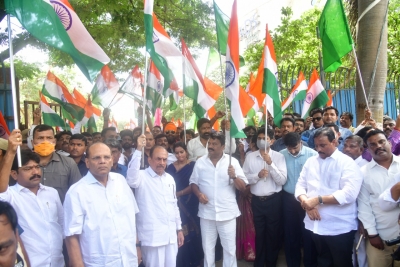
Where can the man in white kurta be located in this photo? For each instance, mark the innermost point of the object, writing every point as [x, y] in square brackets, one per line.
[99, 216]
[158, 223]
[214, 181]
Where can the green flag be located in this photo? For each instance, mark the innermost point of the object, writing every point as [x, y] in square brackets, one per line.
[222, 27]
[334, 34]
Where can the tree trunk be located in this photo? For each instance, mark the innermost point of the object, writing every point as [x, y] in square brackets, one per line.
[369, 32]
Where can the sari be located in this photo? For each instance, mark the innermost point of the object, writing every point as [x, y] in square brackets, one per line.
[245, 232]
[191, 253]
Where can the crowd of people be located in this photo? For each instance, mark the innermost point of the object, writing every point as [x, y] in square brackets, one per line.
[327, 194]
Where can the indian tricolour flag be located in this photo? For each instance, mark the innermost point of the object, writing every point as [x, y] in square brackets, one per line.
[298, 92]
[232, 76]
[50, 117]
[56, 24]
[316, 95]
[194, 86]
[270, 83]
[105, 90]
[165, 55]
[155, 84]
[56, 90]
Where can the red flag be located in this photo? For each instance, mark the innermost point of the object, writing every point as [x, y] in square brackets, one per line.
[4, 123]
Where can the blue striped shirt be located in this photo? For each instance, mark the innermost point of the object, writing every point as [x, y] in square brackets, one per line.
[294, 165]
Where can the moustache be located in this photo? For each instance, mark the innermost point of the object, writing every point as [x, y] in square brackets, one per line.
[161, 166]
[379, 149]
[35, 176]
[321, 153]
[211, 149]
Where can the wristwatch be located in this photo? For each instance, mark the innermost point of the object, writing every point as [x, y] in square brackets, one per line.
[320, 200]
[138, 245]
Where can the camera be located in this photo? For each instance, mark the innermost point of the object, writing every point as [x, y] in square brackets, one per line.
[391, 242]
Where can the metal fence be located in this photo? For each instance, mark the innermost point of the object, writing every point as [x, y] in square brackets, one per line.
[342, 86]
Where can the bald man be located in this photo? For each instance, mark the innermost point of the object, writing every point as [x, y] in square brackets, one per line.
[99, 213]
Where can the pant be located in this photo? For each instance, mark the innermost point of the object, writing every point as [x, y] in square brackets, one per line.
[267, 214]
[162, 256]
[381, 258]
[295, 233]
[335, 250]
[360, 255]
[227, 233]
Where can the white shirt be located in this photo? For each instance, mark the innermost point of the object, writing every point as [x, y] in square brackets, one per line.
[376, 180]
[122, 159]
[277, 173]
[171, 159]
[360, 161]
[104, 219]
[42, 219]
[159, 218]
[196, 148]
[337, 175]
[213, 181]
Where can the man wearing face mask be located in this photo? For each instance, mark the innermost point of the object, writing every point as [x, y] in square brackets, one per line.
[59, 172]
[266, 172]
[296, 155]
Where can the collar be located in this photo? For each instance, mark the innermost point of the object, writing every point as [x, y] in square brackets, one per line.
[20, 187]
[301, 153]
[395, 159]
[89, 178]
[153, 174]
[55, 157]
[270, 152]
[357, 160]
[335, 155]
[223, 157]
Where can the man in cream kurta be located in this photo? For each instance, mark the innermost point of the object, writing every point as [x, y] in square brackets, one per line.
[158, 223]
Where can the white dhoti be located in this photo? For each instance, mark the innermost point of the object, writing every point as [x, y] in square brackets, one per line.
[162, 256]
[227, 233]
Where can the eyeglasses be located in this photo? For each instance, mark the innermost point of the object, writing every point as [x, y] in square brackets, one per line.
[316, 119]
[260, 138]
[30, 168]
[99, 158]
[170, 132]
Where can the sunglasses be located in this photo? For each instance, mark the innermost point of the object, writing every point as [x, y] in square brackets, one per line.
[317, 119]
[170, 132]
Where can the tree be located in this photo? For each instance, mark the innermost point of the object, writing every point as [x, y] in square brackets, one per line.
[369, 34]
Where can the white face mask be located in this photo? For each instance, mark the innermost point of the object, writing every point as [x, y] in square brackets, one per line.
[262, 144]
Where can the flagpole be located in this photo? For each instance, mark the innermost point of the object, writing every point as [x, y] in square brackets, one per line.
[321, 66]
[13, 88]
[144, 105]
[184, 103]
[359, 75]
[266, 131]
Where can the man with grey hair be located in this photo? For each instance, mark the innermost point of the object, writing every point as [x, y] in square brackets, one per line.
[116, 150]
[354, 148]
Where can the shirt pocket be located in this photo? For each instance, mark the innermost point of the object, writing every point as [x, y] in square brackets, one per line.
[332, 183]
[52, 212]
[55, 179]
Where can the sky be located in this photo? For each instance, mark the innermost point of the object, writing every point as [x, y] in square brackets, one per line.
[268, 11]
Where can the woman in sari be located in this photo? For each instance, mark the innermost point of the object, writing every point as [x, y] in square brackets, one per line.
[191, 253]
